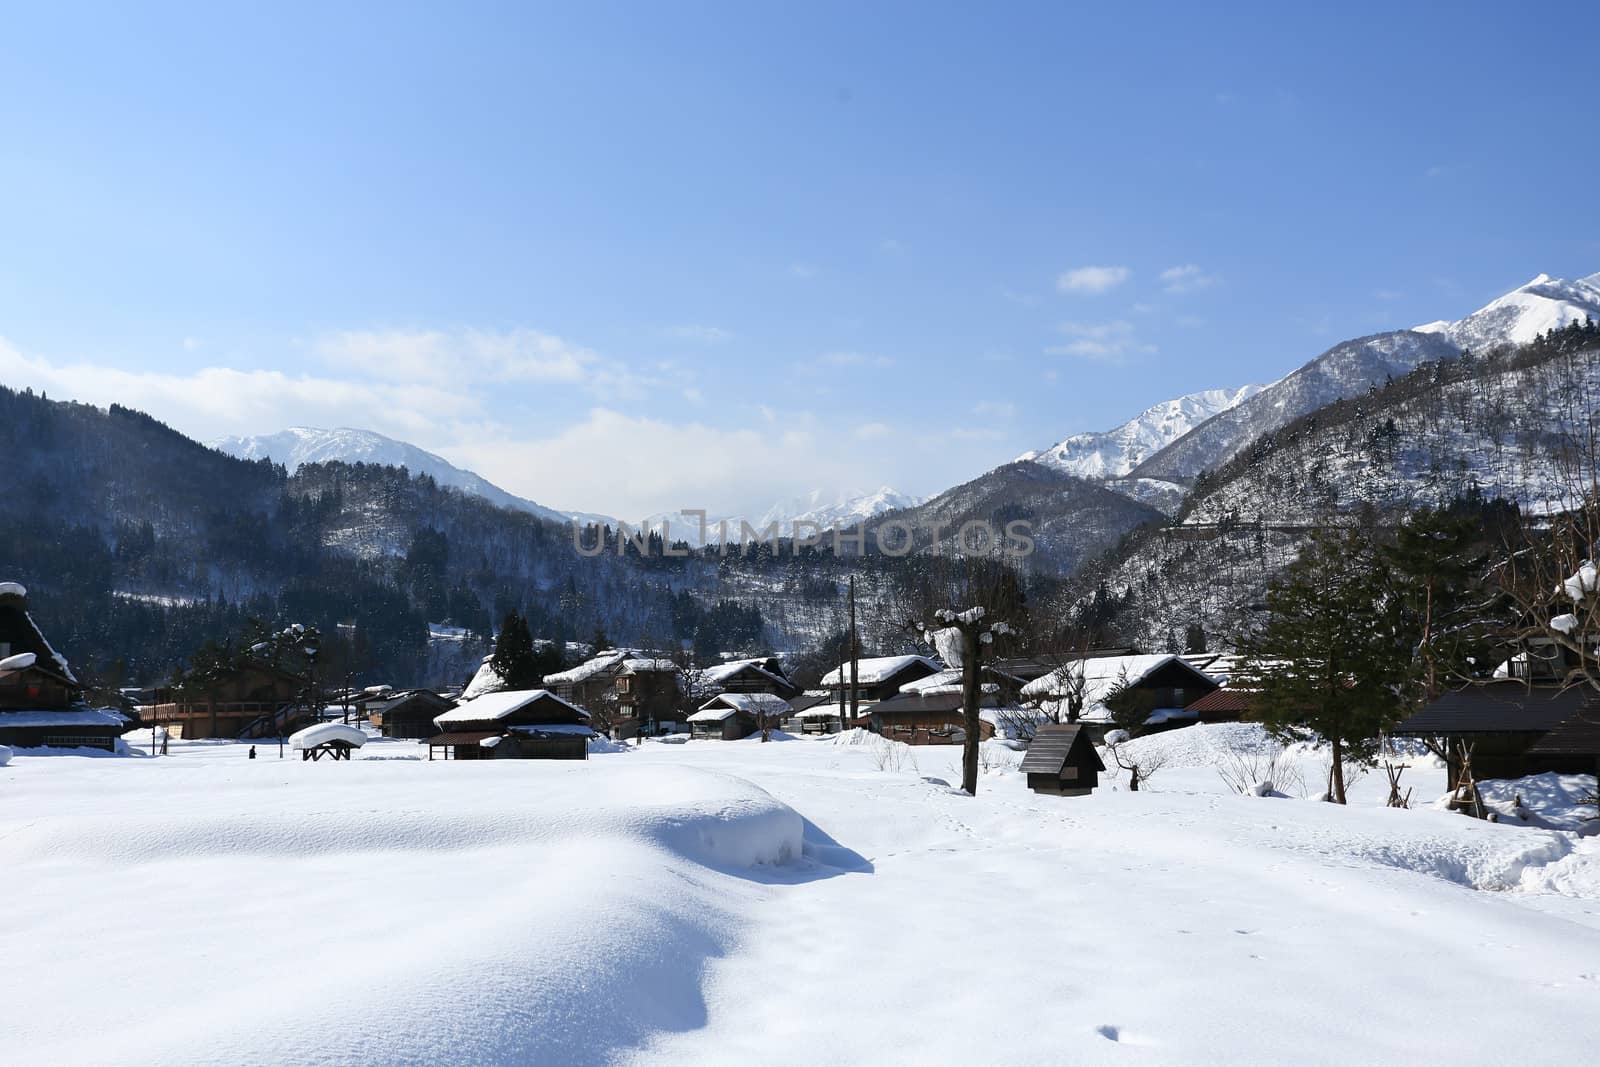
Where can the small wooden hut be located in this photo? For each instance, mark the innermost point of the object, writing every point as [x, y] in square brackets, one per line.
[731, 716]
[409, 714]
[513, 724]
[1062, 761]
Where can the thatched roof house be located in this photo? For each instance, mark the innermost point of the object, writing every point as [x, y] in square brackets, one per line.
[41, 702]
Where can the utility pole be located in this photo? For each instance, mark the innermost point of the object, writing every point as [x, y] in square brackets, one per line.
[855, 655]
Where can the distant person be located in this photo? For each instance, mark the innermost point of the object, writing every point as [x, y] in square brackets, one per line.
[252, 752]
[163, 742]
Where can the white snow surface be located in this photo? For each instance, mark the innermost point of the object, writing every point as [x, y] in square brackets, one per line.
[20, 662]
[13, 589]
[624, 909]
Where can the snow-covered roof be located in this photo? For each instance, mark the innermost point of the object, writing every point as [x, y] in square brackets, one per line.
[818, 711]
[588, 669]
[723, 671]
[875, 670]
[946, 681]
[64, 717]
[749, 703]
[13, 589]
[322, 733]
[487, 680]
[20, 662]
[643, 665]
[499, 705]
[714, 714]
[1100, 675]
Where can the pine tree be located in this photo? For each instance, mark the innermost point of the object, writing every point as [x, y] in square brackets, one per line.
[513, 659]
[1437, 566]
[1330, 658]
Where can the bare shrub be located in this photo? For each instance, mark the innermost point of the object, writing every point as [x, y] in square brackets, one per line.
[1260, 767]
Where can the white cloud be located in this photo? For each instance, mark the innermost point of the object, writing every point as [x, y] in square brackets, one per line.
[531, 441]
[802, 271]
[698, 332]
[215, 402]
[999, 409]
[451, 356]
[1092, 279]
[1187, 278]
[1107, 342]
[191, 344]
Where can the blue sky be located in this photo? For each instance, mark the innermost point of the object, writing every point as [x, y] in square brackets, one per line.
[635, 257]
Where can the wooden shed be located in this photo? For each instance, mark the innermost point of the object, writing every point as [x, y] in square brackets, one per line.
[1062, 761]
[409, 714]
[1502, 722]
[513, 724]
[731, 716]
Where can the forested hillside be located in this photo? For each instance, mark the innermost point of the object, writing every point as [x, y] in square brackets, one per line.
[1509, 425]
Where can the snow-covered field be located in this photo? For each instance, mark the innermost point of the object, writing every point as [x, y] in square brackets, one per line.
[804, 901]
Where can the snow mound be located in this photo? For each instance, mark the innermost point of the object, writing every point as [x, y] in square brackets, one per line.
[1550, 801]
[533, 890]
[1202, 745]
[5, 755]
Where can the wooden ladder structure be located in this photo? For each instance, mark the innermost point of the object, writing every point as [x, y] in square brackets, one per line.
[1466, 798]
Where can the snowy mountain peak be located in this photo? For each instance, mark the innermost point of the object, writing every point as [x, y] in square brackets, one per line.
[299, 445]
[826, 509]
[1114, 453]
[1545, 303]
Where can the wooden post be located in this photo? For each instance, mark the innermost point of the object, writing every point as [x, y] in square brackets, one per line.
[855, 656]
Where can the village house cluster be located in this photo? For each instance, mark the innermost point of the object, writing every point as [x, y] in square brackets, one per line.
[1524, 721]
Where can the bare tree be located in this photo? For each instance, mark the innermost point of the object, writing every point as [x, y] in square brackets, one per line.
[1140, 765]
[961, 638]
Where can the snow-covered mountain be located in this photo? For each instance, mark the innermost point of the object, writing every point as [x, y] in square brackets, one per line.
[827, 510]
[306, 444]
[841, 509]
[1543, 304]
[1351, 367]
[1114, 453]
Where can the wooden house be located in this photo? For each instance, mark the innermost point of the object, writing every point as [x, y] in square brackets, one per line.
[816, 713]
[878, 678]
[1506, 724]
[409, 713]
[41, 702]
[1163, 685]
[513, 724]
[1222, 705]
[760, 675]
[251, 698]
[731, 716]
[927, 718]
[1573, 744]
[592, 683]
[1061, 761]
[648, 693]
